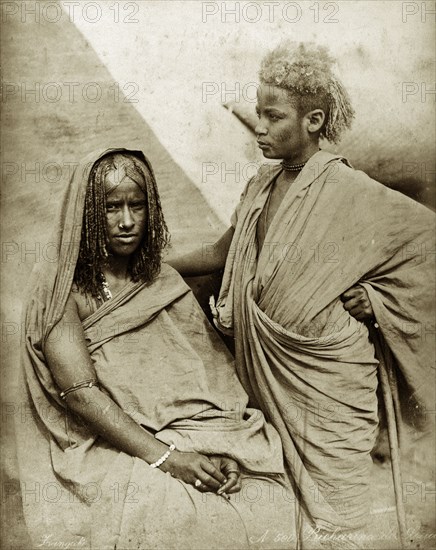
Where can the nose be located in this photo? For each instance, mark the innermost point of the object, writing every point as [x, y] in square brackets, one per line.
[126, 219]
[260, 129]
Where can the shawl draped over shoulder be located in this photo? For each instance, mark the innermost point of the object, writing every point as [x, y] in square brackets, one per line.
[160, 361]
[301, 357]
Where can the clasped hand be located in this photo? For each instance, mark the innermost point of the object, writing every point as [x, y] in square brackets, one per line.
[218, 474]
[356, 302]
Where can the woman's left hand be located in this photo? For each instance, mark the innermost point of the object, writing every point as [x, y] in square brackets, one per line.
[356, 302]
[229, 468]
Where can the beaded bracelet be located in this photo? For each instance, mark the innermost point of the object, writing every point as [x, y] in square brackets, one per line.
[162, 459]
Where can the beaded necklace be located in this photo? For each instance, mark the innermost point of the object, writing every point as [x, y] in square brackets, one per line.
[105, 290]
[288, 167]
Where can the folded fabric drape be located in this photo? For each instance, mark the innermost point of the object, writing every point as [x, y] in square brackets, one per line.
[157, 357]
[302, 358]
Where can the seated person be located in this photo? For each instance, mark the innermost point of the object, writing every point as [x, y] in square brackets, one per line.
[137, 432]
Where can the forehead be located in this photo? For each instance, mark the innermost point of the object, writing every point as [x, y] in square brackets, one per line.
[116, 188]
[273, 96]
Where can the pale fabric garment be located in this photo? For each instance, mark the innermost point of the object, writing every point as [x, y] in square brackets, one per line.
[157, 357]
[301, 357]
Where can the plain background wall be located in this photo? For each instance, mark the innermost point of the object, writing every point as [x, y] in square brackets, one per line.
[186, 58]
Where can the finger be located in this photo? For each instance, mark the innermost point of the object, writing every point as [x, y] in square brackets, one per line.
[203, 488]
[237, 487]
[360, 317]
[232, 479]
[228, 466]
[350, 293]
[364, 315]
[361, 314]
[213, 472]
[356, 311]
[215, 461]
[350, 304]
[203, 482]
[209, 481]
[230, 484]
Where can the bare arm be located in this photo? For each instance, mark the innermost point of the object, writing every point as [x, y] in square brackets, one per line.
[206, 259]
[70, 363]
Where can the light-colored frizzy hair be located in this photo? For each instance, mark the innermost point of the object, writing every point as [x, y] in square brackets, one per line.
[305, 71]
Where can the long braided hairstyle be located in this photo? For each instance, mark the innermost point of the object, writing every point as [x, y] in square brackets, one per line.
[145, 262]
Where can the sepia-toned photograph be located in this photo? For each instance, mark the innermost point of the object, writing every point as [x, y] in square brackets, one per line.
[218, 276]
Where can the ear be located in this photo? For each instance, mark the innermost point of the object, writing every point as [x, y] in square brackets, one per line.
[315, 119]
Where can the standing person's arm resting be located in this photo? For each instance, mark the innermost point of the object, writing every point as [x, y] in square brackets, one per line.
[206, 259]
[70, 363]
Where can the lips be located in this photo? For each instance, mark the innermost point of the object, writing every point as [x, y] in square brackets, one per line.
[126, 238]
[262, 144]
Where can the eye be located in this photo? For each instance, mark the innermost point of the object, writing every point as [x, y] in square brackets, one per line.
[110, 207]
[138, 205]
[274, 118]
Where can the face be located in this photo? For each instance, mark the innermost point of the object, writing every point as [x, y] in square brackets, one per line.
[126, 212]
[280, 132]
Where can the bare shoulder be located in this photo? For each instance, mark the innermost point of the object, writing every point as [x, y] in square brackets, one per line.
[83, 304]
[66, 350]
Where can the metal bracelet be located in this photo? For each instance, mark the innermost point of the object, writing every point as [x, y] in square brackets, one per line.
[79, 385]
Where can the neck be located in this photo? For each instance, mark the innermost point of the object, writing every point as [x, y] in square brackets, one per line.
[302, 156]
[117, 268]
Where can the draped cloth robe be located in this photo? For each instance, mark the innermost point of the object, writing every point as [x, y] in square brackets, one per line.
[301, 357]
[159, 360]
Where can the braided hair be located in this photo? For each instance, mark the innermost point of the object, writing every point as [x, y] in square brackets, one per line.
[305, 71]
[145, 262]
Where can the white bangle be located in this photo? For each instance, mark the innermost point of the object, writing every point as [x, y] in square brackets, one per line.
[162, 459]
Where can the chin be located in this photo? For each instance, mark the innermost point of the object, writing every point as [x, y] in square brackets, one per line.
[123, 251]
[268, 155]
[272, 155]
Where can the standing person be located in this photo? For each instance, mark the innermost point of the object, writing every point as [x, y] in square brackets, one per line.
[315, 248]
[134, 426]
